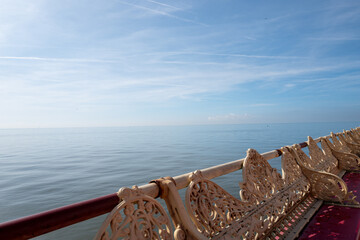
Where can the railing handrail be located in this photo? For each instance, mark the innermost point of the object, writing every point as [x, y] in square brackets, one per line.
[51, 220]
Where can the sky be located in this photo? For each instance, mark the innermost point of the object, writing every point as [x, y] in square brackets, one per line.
[167, 62]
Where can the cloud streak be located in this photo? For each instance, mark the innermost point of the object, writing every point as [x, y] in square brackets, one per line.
[152, 82]
[231, 117]
[120, 55]
[334, 38]
[262, 105]
[165, 5]
[158, 12]
[58, 59]
[236, 55]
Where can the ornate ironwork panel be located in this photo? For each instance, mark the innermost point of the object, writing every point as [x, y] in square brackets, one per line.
[211, 208]
[329, 157]
[354, 147]
[347, 161]
[260, 180]
[325, 186]
[338, 145]
[136, 217]
[324, 161]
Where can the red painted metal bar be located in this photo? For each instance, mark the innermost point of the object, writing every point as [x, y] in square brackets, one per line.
[41, 223]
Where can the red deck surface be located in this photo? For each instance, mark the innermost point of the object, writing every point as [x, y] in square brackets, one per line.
[336, 222]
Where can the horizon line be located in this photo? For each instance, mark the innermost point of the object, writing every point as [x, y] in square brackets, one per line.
[176, 125]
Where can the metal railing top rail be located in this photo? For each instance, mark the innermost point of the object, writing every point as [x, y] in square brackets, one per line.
[48, 221]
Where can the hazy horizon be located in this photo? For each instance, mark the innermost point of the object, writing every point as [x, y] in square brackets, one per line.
[184, 125]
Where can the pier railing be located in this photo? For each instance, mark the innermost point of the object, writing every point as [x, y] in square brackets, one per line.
[340, 146]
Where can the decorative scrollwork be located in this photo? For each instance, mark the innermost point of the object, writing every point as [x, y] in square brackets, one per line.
[137, 216]
[211, 208]
[298, 184]
[354, 147]
[325, 186]
[355, 133]
[292, 174]
[278, 202]
[329, 157]
[291, 171]
[258, 222]
[338, 145]
[288, 224]
[261, 181]
[327, 163]
[350, 137]
[308, 162]
[314, 151]
[347, 161]
[218, 215]
[274, 202]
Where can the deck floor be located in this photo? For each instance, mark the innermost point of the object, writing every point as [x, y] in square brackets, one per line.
[336, 222]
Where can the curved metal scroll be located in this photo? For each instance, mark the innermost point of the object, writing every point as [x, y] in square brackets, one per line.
[218, 215]
[324, 160]
[329, 157]
[261, 181]
[354, 147]
[293, 177]
[137, 216]
[355, 133]
[347, 161]
[325, 186]
[349, 137]
[338, 145]
[291, 170]
[211, 208]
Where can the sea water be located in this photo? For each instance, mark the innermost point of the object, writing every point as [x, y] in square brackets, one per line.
[42, 169]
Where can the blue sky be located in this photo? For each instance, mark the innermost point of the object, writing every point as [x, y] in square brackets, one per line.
[144, 62]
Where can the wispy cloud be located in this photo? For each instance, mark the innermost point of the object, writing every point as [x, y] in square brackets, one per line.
[231, 117]
[58, 59]
[261, 105]
[236, 55]
[149, 82]
[158, 12]
[165, 5]
[335, 38]
[286, 87]
[121, 54]
[289, 85]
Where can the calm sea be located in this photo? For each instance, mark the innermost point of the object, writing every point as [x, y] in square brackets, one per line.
[42, 169]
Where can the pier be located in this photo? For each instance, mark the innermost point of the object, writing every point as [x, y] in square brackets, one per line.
[272, 205]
